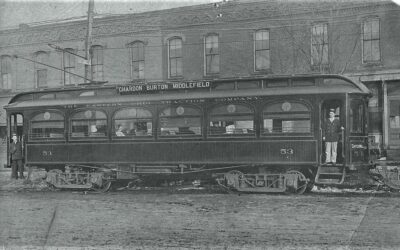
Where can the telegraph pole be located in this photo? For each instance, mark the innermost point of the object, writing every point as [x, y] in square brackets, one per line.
[88, 43]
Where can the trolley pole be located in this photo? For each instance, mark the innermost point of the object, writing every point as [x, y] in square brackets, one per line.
[88, 43]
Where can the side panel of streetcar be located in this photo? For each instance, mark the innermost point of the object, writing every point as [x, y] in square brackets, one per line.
[296, 152]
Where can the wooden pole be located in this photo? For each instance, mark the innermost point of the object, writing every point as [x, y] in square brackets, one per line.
[88, 44]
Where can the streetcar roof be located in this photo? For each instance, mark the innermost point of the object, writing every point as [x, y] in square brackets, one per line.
[339, 87]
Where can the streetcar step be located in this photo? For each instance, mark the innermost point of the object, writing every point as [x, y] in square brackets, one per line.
[330, 174]
[339, 174]
[328, 181]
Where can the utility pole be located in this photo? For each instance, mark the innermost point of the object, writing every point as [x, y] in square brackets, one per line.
[88, 43]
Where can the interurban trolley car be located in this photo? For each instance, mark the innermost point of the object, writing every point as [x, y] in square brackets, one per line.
[252, 135]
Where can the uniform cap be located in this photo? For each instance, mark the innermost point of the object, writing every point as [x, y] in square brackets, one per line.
[332, 110]
[14, 134]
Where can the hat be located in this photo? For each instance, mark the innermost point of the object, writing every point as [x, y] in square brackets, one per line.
[332, 110]
[14, 134]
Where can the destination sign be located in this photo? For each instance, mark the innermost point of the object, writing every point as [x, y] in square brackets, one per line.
[153, 87]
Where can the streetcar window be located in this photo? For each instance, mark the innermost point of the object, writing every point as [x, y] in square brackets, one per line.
[47, 125]
[105, 92]
[303, 82]
[89, 123]
[133, 122]
[224, 85]
[24, 97]
[177, 121]
[63, 96]
[87, 93]
[248, 85]
[277, 83]
[48, 96]
[356, 116]
[231, 120]
[286, 117]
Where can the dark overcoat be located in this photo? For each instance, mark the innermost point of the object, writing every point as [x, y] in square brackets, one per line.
[331, 130]
[16, 151]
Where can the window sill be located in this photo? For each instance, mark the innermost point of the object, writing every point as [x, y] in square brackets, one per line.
[319, 67]
[263, 72]
[133, 138]
[175, 78]
[372, 64]
[44, 139]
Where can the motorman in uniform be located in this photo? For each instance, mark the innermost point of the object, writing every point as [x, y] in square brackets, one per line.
[16, 158]
[331, 131]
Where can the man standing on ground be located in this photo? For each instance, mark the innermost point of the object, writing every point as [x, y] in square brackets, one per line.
[331, 137]
[17, 166]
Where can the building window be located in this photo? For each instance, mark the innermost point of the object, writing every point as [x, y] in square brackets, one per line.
[180, 121]
[97, 63]
[133, 123]
[47, 125]
[286, 117]
[231, 120]
[211, 54]
[89, 123]
[261, 50]
[175, 57]
[6, 72]
[371, 41]
[41, 58]
[137, 60]
[319, 44]
[69, 66]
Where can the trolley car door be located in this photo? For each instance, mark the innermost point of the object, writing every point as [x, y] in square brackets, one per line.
[338, 106]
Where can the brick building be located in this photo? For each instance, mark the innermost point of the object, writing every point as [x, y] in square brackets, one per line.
[221, 40]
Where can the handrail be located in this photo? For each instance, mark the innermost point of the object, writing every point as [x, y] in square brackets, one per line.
[343, 139]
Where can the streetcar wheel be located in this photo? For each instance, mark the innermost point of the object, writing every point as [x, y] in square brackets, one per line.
[393, 180]
[104, 188]
[302, 182]
[233, 178]
[309, 187]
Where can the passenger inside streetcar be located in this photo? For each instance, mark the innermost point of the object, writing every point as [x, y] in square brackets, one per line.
[120, 131]
[184, 131]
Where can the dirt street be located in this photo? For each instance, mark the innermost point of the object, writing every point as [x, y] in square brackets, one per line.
[196, 219]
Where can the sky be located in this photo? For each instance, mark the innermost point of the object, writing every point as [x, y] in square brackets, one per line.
[15, 12]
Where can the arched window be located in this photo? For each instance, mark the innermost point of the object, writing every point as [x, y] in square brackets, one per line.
[41, 58]
[211, 51]
[69, 66]
[175, 57]
[286, 117]
[6, 72]
[89, 123]
[137, 60]
[47, 125]
[97, 63]
[261, 50]
[133, 122]
[180, 120]
[231, 120]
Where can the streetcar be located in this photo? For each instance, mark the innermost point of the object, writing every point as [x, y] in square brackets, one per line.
[260, 134]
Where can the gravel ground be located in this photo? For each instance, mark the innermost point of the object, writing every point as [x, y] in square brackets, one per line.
[33, 218]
